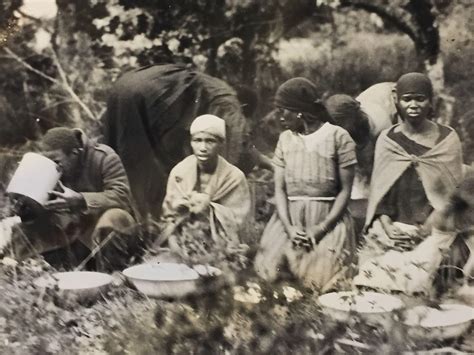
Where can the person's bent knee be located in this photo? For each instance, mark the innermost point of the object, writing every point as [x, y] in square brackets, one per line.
[115, 218]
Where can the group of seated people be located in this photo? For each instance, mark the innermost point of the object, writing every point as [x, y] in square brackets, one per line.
[419, 214]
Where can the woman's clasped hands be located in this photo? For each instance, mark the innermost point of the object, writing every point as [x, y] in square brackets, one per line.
[196, 203]
[306, 239]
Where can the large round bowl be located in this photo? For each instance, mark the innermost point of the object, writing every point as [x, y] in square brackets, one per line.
[375, 308]
[76, 285]
[168, 279]
[447, 321]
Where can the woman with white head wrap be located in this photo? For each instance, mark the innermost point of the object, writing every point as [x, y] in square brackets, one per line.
[210, 124]
[206, 185]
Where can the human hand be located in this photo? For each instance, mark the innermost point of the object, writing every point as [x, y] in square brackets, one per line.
[316, 233]
[298, 237]
[180, 205]
[67, 200]
[199, 203]
[392, 231]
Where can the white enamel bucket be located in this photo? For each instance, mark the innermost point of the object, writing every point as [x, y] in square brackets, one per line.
[34, 178]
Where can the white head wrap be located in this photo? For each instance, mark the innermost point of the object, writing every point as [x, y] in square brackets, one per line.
[209, 124]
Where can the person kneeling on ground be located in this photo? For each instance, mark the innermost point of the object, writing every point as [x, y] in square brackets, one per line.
[207, 201]
[311, 230]
[91, 206]
[417, 164]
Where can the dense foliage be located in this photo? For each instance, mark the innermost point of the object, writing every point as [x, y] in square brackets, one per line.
[345, 48]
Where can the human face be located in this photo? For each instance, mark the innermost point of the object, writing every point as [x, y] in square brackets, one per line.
[413, 107]
[205, 146]
[67, 163]
[290, 120]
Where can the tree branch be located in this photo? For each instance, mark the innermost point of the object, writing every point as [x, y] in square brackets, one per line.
[64, 83]
[57, 103]
[68, 88]
[29, 67]
[29, 17]
[36, 20]
[396, 16]
[414, 18]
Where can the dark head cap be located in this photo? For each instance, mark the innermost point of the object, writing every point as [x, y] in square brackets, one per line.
[61, 138]
[414, 83]
[301, 95]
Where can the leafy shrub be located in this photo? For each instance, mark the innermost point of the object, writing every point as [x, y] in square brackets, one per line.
[353, 63]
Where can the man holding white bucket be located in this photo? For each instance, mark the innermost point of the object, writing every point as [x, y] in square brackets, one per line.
[89, 209]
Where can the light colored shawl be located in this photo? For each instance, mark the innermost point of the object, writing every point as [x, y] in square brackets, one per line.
[440, 169]
[228, 191]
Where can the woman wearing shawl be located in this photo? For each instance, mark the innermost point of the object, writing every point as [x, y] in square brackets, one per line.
[314, 163]
[204, 190]
[417, 164]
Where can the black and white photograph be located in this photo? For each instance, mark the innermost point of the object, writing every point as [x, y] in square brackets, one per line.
[236, 177]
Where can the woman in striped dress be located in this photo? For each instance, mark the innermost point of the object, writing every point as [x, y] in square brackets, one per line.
[311, 229]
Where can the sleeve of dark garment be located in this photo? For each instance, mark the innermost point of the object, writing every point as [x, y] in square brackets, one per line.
[387, 205]
[24, 209]
[172, 195]
[116, 189]
[223, 102]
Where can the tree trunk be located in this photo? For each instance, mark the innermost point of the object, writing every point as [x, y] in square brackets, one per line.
[416, 18]
[444, 103]
[72, 44]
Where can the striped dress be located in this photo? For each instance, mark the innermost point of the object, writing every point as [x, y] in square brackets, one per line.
[311, 164]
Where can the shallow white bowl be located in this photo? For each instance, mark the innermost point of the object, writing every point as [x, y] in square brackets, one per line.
[449, 321]
[376, 308]
[168, 279]
[78, 285]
